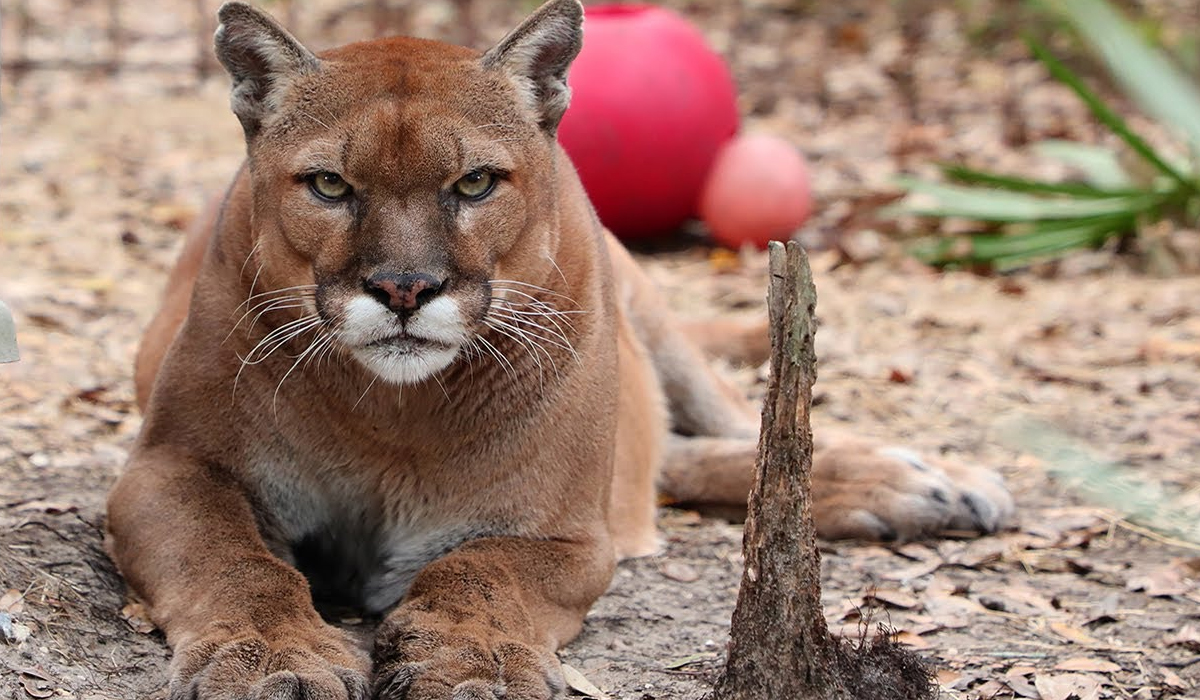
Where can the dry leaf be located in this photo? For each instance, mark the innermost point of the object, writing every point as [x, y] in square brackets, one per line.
[947, 678]
[13, 601]
[983, 551]
[36, 684]
[1161, 582]
[678, 571]
[721, 261]
[992, 689]
[1084, 663]
[1068, 686]
[1017, 599]
[1015, 677]
[688, 660]
[580, 685]
[1073, 634]
[1188, 637]
[912, 639]
[893, 599]
[176, 216]
[97, 283]
[49, 507]
[1022, 687]
[962, 680]
[1172, 679]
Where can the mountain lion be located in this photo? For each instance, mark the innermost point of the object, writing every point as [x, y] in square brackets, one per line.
[402, 363]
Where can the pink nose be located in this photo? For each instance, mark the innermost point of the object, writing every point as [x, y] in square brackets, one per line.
[402, 294]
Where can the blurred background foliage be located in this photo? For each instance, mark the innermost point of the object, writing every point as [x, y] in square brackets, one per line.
[1128, 190]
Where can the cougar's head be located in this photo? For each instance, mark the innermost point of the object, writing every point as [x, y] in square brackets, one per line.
[402, 185]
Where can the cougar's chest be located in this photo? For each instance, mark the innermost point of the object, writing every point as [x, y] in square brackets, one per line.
[357, 545]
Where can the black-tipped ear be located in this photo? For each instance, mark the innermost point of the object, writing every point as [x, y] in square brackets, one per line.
[261, 57]
[537, 55]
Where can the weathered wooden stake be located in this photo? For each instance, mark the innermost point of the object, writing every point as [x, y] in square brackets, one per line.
[780, 647]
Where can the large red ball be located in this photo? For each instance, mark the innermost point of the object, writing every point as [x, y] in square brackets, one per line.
[758, 191]
[651, 105]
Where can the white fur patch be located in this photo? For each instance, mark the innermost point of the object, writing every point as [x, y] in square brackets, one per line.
[439, 320]
[366, 320]
[403, 353]
[405, 365]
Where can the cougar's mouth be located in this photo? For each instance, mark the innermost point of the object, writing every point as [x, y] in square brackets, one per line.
[404, 343]
[402, 351]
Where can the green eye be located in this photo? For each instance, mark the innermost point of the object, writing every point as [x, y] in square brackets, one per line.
[476, 184]
[331, 186]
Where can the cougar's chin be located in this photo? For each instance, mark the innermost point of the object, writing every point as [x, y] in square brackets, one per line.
[405, 359]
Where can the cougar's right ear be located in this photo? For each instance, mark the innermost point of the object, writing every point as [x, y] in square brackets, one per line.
[262, 58]
[537, 55]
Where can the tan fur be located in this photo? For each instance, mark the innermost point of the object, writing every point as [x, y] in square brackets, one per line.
[480, 505]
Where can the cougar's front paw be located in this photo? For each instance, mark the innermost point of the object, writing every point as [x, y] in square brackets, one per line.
[865, 491]
[316, 664]
[419, 657]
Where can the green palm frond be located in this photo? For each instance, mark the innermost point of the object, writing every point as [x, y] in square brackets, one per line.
[1034, 219]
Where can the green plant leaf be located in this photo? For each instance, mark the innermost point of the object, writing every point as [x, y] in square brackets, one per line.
[1146, 74]
[1107, 116]
[1099, 165]
[1019, 184]
[1003, 251]
[941, 200]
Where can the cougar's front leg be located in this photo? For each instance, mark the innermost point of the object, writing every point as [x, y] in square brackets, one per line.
[484, 621]
[240, 621]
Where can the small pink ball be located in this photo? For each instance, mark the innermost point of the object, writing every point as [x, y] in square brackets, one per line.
[651, 105]
[757, 191]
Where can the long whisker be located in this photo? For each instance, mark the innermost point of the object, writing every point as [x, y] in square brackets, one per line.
[434, 377]
[526, 316]
[496, 353]
[543, 309]
[536, 305]
[330, 346]
[253, 250]
[528, 347]
[297, 363]
[522, 338]
[536, 308]
[270, 292]
[266, 307]
[525, 326]
[290, 304]
[374, 379]
[527, 285]
[322, 343]
[529, 309]
[556, 267]
[278, 338]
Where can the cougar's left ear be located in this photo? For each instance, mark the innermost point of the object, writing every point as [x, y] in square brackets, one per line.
[537, 55]
[262, 58]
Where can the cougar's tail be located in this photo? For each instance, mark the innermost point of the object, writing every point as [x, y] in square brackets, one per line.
[700, 402]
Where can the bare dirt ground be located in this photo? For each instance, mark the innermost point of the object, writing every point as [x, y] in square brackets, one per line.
[1053, 375]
